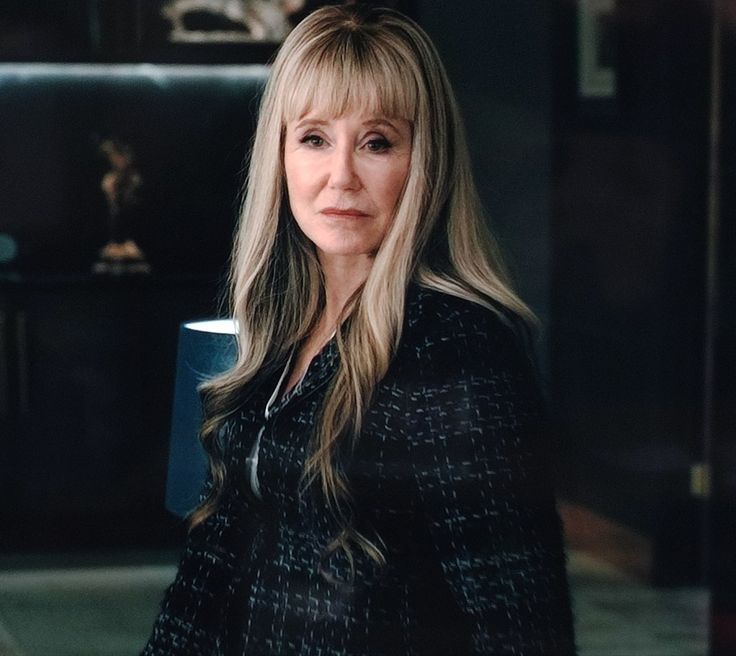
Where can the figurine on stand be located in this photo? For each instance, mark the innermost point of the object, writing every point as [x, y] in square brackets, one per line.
[238, 20]
[120, 184]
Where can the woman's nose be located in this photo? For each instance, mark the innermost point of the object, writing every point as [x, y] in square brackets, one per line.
[343, 173]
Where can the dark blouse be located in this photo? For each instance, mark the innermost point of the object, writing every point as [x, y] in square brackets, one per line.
[449, 476]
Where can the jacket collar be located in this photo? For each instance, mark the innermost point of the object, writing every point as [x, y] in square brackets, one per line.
[324, 364]
[321, 369]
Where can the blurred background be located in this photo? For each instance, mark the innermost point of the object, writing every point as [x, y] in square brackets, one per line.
[603, 135]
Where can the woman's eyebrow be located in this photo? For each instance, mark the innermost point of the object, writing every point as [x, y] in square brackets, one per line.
[369, 123]
[310, 122]
[380, 122]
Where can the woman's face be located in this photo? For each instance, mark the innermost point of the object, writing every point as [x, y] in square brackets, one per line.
[344, 177]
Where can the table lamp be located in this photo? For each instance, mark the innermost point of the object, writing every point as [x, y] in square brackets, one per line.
[205, 349]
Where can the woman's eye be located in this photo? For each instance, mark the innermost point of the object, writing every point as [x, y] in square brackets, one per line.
[378, 145]
[312, 140]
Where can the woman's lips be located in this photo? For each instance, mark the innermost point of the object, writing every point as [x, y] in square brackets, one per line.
[347, 212]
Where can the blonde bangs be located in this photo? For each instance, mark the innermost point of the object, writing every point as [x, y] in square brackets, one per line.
[334, 81]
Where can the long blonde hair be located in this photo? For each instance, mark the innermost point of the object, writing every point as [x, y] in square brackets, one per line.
[337, 60]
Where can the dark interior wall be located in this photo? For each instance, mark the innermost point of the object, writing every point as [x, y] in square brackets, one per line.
[723, 564]
[628, 229]
[497, 56]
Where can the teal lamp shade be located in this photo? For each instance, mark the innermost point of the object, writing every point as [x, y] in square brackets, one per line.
[206, 348]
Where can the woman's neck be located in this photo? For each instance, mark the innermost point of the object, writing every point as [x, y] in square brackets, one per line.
[342, 276]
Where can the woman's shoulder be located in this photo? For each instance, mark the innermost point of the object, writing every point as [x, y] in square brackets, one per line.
[445, 335]
[434, 316]
[449, 341]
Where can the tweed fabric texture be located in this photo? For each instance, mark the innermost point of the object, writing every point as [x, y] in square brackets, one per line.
[449, 476]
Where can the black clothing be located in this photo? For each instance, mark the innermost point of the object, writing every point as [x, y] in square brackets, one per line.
[449, 475]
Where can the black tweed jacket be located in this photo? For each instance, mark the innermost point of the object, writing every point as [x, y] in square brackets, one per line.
[450, 475]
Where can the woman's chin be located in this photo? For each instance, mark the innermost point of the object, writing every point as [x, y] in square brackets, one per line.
[346, 252]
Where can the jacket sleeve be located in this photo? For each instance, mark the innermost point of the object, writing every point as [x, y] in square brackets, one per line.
[476, 438]
[193, 610]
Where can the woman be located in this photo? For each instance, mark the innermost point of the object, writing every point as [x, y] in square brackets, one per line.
[377, 460]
